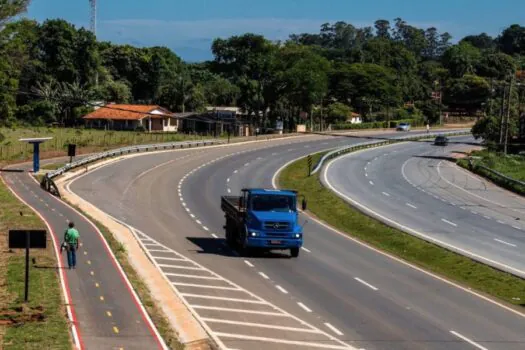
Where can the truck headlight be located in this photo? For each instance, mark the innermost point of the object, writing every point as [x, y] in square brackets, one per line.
[297, 235]
[253, 234]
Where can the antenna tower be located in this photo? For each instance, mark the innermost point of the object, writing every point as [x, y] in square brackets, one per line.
[93, 16]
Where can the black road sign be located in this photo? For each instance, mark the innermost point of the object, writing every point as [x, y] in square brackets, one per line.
[37, 239]
[26, 239]
[71, 150]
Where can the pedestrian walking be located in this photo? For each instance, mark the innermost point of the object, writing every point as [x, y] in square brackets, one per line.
[428, 128]
[71, 242]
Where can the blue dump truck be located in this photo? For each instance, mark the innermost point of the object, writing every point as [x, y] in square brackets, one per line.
[263, 219]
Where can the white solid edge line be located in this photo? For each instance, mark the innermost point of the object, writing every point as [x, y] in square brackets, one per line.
[241, 311]
[211, 297]
[342, 234]
[260, 325]
[180, 267]
[279, 341]
[333, 329]
[65, 292]
[304, 307]
[471, 342]
[449, 222]
[365, 283]
[198, 277]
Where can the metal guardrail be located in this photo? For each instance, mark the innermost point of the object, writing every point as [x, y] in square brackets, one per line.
[128, 150]
[375, 143]
[496, 173]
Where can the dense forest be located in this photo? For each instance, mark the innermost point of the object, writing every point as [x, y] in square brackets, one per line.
[51, 72]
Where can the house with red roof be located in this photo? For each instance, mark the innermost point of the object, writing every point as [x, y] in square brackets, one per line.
[133, 117]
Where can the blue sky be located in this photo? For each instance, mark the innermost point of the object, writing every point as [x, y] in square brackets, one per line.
[188, 27]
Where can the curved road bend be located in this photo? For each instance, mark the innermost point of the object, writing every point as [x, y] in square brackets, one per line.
[353, 293]
[105, 312]
[414, 185]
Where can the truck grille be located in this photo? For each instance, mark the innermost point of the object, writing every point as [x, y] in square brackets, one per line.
[276, 225]
[277, 234]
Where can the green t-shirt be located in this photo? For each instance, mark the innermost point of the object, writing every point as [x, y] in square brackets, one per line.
[71, 236]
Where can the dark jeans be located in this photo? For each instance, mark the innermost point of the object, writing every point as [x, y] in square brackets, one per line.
[72, 256]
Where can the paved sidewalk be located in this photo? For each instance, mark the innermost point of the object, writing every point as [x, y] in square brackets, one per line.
[105, 309]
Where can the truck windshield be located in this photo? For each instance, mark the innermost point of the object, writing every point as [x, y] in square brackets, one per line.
[272, 203]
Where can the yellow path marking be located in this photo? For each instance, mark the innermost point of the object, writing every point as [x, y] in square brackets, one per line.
[109, 313]
[89, 262]
[115, 329]
[97, 285]
[92, 273]
[101, 298]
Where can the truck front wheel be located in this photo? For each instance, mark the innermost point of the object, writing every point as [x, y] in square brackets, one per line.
[294, 252]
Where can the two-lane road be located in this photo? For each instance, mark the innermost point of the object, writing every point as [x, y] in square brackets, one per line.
[337, 290]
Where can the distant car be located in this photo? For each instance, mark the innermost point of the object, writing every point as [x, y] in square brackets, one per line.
[441, 140]
[403, 127]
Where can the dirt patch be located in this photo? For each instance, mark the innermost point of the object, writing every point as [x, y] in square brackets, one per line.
[465, 152]
[21, 315]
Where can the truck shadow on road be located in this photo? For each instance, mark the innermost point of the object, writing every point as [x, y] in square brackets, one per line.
[218, 246]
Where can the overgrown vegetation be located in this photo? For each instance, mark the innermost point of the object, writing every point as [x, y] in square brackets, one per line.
[41, 323]
[337, 213]
[512, 166]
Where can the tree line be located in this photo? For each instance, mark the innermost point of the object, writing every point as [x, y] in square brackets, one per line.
[393, 70]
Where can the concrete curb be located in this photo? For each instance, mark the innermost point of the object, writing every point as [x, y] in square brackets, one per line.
[188, 329]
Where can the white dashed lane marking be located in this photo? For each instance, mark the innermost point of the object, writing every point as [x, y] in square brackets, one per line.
[365, 283]
[449, 222]
[281, 289]
[304, 307]
[333, 329]
[503, 242]
[230, 311]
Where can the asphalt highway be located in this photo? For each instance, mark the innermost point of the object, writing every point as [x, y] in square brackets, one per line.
[337, 294]
[414, 185]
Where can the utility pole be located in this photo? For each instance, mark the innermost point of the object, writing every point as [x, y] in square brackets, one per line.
[502, 114]
[508, 116]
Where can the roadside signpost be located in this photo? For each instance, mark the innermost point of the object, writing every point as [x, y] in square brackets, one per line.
[309, 159]
[36, 141]
[71, 151]
[27, 239]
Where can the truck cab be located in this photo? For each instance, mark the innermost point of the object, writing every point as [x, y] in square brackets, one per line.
[263, 219]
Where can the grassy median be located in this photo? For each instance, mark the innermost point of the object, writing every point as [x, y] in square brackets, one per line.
[42, 322]
[328, 207]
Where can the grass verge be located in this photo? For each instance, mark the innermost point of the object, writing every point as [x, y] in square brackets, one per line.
[41, 323]
[328, 207]
[155, 312]
[512, 166]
